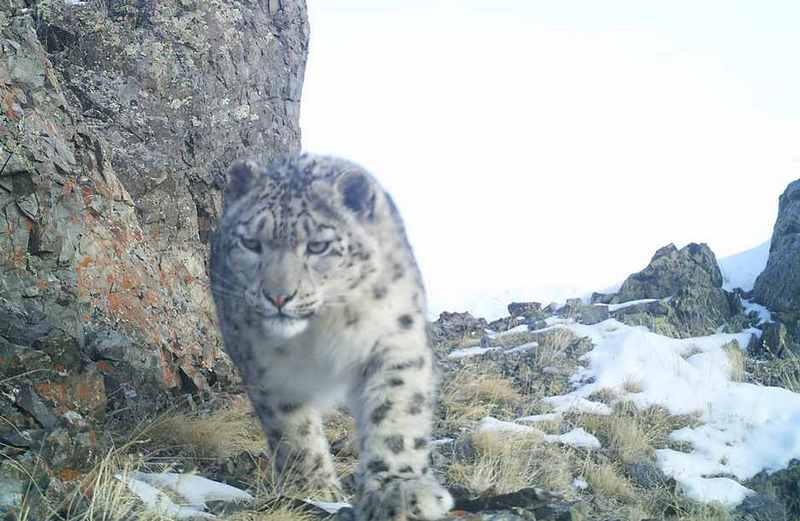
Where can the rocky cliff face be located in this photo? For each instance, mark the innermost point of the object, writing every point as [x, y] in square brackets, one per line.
[117, 121]
[778, 286]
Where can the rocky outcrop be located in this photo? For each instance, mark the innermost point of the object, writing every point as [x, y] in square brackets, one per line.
[778, 286]
[117, 121]
[584, 313]
[689, 283]
[672, 270]
[454, 327]
[777, 490]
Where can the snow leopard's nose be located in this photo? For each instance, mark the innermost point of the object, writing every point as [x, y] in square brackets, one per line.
[279, 300]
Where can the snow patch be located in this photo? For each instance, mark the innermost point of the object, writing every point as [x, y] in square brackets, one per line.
[577, 438]
[538, 418]
[616, 307]
[489, 424]
[764, 315]
[745, 428]
[523, 347]
[469, 352]
[579, 404]
[195, 491]
[328, 506]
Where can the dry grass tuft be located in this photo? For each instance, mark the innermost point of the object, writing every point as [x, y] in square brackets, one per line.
[100, 496]
[736, 360]
[223, 433]
[632, 386]
[553, 345]
[780, 372]
[606, 396]
[509, 340]
[606, 480]
[629, 440]
[656, 421]
[281, 513]
[340, 429]
[470, 396]
[504, 462]
[631, 433]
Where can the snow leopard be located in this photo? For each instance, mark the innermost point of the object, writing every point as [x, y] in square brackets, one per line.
[320, 303]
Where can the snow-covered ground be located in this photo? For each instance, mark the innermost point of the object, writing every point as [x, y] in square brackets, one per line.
[577, 437]
[155, 491]
[744, 429]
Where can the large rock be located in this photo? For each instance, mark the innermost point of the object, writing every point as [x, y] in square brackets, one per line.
[783, 486]
[116, 124]
[689, 282]
[778, 286]
[672, 270]
[454, 327]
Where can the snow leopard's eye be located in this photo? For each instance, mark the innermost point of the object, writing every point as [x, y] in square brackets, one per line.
[251, 244]
[318, 247]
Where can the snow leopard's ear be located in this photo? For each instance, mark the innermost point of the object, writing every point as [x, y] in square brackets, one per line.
[240, 179]
[357, 191]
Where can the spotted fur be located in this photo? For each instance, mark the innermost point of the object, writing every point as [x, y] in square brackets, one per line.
[320, 303]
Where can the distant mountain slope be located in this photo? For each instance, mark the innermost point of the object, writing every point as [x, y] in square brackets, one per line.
[742, 269]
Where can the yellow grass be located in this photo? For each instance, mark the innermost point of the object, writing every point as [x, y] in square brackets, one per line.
[606, 480]
[471, 396]
[504, 462]
[223, 433]
[736, 360]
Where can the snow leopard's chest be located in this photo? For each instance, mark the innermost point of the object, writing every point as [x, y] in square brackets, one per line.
[320, 366]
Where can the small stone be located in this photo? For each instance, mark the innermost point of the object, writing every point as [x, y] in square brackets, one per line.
[647, 475]
[525, 309]
[31, 403]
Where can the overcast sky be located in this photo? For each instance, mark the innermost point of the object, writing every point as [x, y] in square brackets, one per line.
[538, 149]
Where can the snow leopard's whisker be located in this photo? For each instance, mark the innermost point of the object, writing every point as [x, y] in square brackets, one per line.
[226, 292]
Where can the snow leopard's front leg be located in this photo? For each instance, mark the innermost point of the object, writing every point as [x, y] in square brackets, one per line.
[298, 444]
[394, 409]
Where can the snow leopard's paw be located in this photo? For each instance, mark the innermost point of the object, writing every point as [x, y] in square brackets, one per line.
[402, 499]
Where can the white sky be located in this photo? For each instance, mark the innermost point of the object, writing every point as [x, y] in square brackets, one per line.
[542, 149]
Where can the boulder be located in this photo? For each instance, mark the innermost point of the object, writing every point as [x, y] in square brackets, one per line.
[116, 126]
[778, 286]
[700, 310]
[505, 323]
[782, 486]
[776, 341]
[525, 309]
[672, 270]
[452, 327]
[584, 313]
[761, 507]
[688, 284]
[647, 475]
[656, 308]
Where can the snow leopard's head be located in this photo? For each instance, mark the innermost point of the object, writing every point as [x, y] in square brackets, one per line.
[293, 239]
